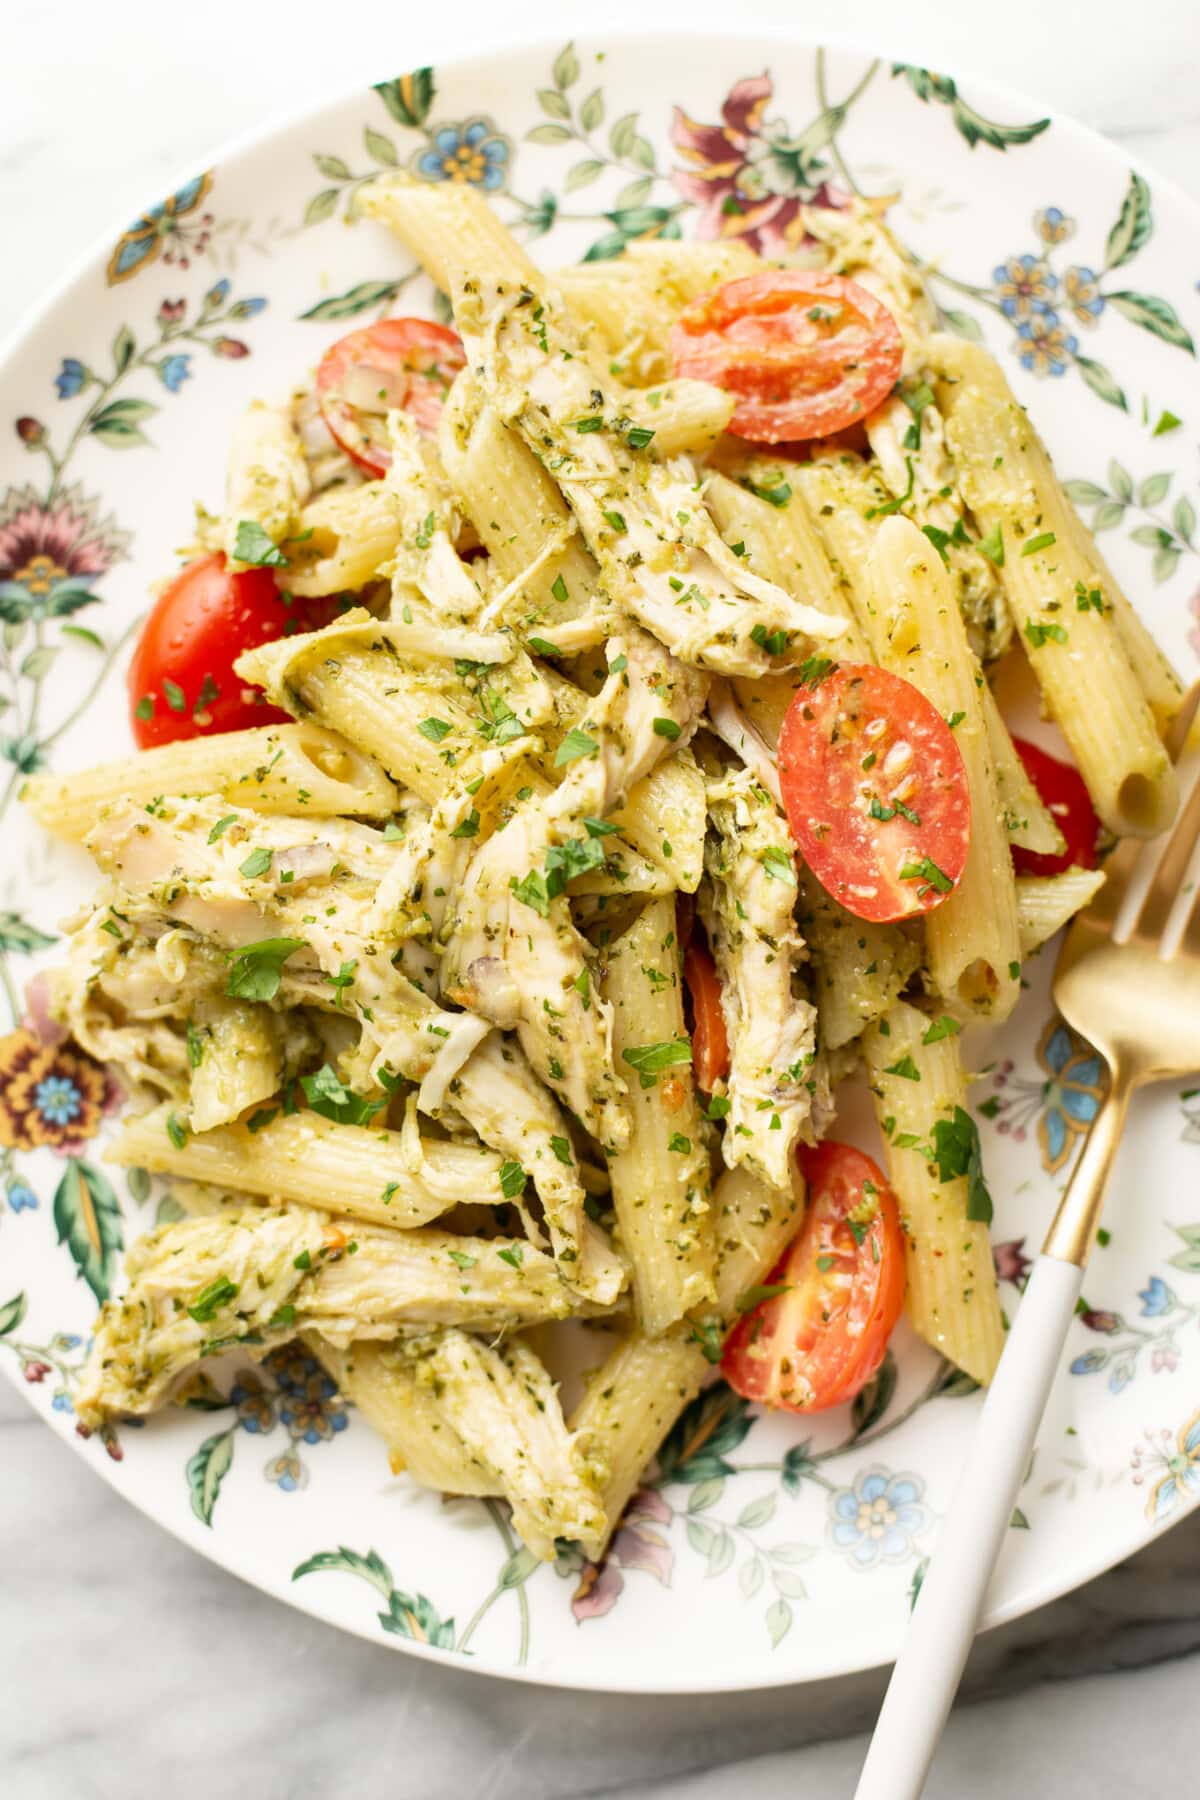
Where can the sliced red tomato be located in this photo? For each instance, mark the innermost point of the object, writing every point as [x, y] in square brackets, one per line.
[875, 792]
[398, 363]
[1064, 793]
[820, 1332]
[181, 680]
[710, 1044]
[806, 353]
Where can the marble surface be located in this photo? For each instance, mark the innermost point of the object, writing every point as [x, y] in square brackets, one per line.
[127, 1665]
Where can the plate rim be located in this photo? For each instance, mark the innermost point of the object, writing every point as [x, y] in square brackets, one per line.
[92, 259]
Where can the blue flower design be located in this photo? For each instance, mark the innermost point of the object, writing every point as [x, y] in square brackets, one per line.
[21, 1198]
[70, 378]
[878, 1518]
[1081, 292]
[1071, 1098]
[1122, 1374]
[254, 1402]
[472, 151]
[246, 309]
[286, 1471]
[1025, 286]
[58, 1099]
[1180, 1463]
[173, 371]
[164, 230]
[1156, 1298]
[61, 1403]
[217, 294]
[1044, 346]
[1053, 225]
[1091, 1363]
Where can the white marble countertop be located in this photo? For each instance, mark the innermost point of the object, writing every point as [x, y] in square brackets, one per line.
[127, 1665]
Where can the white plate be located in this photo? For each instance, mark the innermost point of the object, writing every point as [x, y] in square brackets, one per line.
[767, 1551]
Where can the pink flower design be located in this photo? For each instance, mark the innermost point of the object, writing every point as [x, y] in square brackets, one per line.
[636, 1545]
[1011, 1262]
[47, 547]
[1194, 633]
[1164, 1356]
[749, 178]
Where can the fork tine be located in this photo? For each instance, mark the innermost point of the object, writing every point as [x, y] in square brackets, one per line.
[1181, 724]
[1101, 914]
[1160, 901]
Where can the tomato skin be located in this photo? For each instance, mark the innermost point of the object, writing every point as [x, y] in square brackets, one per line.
[819, 1343]
[414, 359]
[205, 619]
[860, 714]
[1062, 789]
[710, 1042]
[806, 353]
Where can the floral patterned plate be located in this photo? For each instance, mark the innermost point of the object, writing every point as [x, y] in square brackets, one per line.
[759, 1551]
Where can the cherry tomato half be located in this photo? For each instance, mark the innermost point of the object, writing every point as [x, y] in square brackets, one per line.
[404, 363]
[806, 353]
[1064, 793]
[181, 679]
[875, 792]
[710, 1043]
[820, 1338]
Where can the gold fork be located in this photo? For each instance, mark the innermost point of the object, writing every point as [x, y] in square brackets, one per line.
[1128, 980]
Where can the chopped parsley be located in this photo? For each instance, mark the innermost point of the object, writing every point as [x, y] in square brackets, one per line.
[434, 729]
[956, 718]
[210, 1300]
[666, 728]
[176, 698]
[638, 436]
[879, 811]
[1042, 634]
[905, 1068]
[719, 1107]
[469, 827]
[561, 1147]
[514, 1255]
[651, 1059]
[599, 827]
[426, 531]
[927, 872]
[760, 1293]
[942, 1027]
[773, 642]
[893, 506]
[616, 521]
[992, 546]
[328, 1096]
[1088, 599]
[544, 647]
[777, 494]
[778, 864]
[531, 891]
[145, 707]
[682, 1146]
[461, 1260]
[221, 826]
[177, 1133]
[252, 545]
[593, 423]
[577, 743]
[956, 1152]
[1043, 541]
[195, 1047]
[558, 588]
[814, 669]
[341, 981]
[256, 971]
[708, 1336]
[512, 1179]
[257, 863]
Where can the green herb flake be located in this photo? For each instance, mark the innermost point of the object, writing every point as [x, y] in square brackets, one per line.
[955, 719]
[210, 1300]
[615, 521]
[561, 1147]
[145, 707]
[651, 1059]
[558, 588]
[1044, 540]
[956, 1152]
[666, 728]
[638, 436]
[777, 494]
[434, 729]
[761, 1292]
[425, 532]
[329, 1097]
[544, 647]
[682, 1146]
[461, 1260]
[256, 971]
[514, 1256]
[942, 1027]
[221, 826]
[773, 642]
[927, 871]
[469, 827]
[177, 1133]
[512, 1179]
[257, 863]
[992, 546]
[176, 698]
[577, 743]
[252, 545]
[905, 1068]
[719, 1107]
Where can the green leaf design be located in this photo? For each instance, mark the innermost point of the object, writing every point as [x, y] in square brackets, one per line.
[622, 134]
[18, 934]
[721, 1555]
[88, 1221]
[606, 248]
[873, 1400]
[553, 104]
[1084, 493]
[759, 1512]
[705, 1433]
[332, 167]
[591, 113]
[914, 1586]
[1019, 1521]
[955, 1384]
[408, 97]
[517, 1570]
[1153, 315]
[321, 207]
[566, 67]
[380, 148]
[1101, 381]
[1120, 480]
[797, 1464]
[750, 1577]
[970, 124]
[39, 662]
[124, 349]
[965, 325]
[977, 130]
[360, 298]
[1164, 563]
[706, 1494]
[779, 1621]
[548, 134]
[1108, 515]
[206, 1470]
[416, 1617]
[1184, 518]
[117, 424]
[1189, 1257]
[1151, 537]
[581, 174]
[138, 1183]
[701, 1537]
[638, 221]
[11, 1314]
[1134, 225]
[370, 1567]
[636, 193]
[788, 1583]
[1153, 489]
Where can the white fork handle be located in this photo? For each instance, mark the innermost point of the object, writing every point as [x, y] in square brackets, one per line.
[926, 1675]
